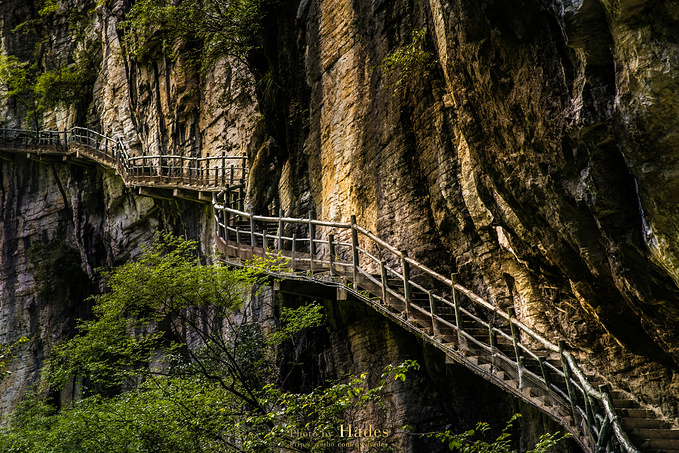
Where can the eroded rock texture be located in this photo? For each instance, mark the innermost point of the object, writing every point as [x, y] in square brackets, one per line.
[535, 157]
[101, 224]
[536, 160]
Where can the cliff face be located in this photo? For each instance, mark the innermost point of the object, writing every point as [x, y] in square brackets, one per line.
[535, 157]
[535, 161]
[100, 222]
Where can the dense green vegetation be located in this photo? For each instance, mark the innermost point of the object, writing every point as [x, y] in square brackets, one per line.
[203, 30]
[39, 84]
[174, 361]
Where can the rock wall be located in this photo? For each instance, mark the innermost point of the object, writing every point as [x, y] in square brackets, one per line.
[100, 220]
[535, 157]
[534, 160]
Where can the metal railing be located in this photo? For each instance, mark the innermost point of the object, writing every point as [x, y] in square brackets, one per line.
[210, 173]
[491, 342]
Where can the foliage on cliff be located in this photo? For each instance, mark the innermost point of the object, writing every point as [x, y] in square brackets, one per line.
[473, 441]
[174, 361]
[410, 62]
[39, 84]
[212, 28]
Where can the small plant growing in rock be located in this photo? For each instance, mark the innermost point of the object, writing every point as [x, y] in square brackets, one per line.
[8, 353]
[408, 62]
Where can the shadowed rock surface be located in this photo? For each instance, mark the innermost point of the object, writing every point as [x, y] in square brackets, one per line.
[536, 157]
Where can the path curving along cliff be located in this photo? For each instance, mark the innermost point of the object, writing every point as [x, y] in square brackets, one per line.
[338, 261]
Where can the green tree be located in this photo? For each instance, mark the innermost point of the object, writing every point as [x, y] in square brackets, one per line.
[213, 28]
[174, 361]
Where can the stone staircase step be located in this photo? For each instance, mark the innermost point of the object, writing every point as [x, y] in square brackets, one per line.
[531, 392]
[663, 445]
[635, 413]
[645, 433]
[486, 367]
[644, 423]
[625, 404]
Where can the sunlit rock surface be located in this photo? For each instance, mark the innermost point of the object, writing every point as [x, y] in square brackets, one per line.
[537, 159]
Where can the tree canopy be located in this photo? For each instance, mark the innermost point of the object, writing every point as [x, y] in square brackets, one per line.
[175, 361]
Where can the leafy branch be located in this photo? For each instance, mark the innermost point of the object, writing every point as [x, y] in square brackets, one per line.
[469, 441]
[409, 62]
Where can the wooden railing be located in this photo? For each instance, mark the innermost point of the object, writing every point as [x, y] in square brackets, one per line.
[197, 173]
[469, 329]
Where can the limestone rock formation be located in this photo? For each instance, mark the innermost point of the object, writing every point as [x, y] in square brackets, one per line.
[534, 154]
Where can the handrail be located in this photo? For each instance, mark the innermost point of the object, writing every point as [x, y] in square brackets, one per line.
[327, 260]
[117, 156]
[145, 170]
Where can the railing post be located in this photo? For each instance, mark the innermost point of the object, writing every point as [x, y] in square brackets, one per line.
[227, 214]
[406, 282]
[216, 214]
[492, 337]
[294, 250]
[604, 435]
[223, 168]
[201, 172]
[253, 240]
[567, 375]
[545, 372]
[265, 241]
[231, 176]
[312, 244]
[461, 341]
[280, 228]
[385, 283]
[331, 253]
[354, 250]
[589, 413]
[242, 171]
[516, 341]
[221, 230]
[434, 313]
[238, 239]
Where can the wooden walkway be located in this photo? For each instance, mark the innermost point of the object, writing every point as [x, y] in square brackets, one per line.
[343, 260]
[163, 176]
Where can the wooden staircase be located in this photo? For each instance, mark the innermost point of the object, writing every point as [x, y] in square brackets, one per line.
[494, 345]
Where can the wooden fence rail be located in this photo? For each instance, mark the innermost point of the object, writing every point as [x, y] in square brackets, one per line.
[171, 171]
[465, 326]
[469, 329]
